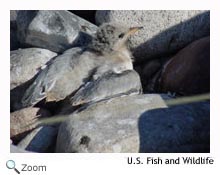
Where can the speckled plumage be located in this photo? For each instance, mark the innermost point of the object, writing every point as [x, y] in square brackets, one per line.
[107, 36]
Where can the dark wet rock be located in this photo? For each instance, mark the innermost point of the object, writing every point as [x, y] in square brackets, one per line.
[152, 85]
[151, 72]
[150, 69]
[188, 72]
[164, 32]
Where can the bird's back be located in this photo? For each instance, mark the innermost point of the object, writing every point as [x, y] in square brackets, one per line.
[64, 75]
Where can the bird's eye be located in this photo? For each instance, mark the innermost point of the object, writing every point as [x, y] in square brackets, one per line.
[121, 35]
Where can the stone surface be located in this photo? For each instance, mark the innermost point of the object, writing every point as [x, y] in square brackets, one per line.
[140, 123]
[147, 71]
[13, 15]
[188, 72]
[108, 126]
[164, 31]
[40, 140]
[152, 85]
[150, 69]
[151, 73]
[108, 86]
[177, 129]
[22, 122]
[56, 30]
[26, 63]
[15, 149]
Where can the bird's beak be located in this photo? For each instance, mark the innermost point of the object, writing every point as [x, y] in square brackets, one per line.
[133, 30]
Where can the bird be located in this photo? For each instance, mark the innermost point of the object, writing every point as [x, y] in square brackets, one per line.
[68, 72]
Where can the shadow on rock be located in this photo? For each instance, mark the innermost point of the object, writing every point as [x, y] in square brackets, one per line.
[177, 129]
[172, 39]
[188, 72]
[41, 140]
[17, 93]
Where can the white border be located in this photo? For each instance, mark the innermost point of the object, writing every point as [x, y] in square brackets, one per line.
[108, 163]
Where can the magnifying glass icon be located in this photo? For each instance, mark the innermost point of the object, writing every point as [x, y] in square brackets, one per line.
[10, 164]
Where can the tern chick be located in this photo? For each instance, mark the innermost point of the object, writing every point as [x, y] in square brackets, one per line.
[107, 52]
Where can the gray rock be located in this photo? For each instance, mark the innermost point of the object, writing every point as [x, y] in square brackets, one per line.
[108, 126]
[53, 30]
[26, 63]
[177, 129]
[13, 15]
[15, 149]
[87, 30]
[164, 31]
[108, 86]
[140, 123]
[41, 139]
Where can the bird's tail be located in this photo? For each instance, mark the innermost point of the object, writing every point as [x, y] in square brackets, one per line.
[82, 95]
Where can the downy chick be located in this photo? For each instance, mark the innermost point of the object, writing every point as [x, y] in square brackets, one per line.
[74, 68]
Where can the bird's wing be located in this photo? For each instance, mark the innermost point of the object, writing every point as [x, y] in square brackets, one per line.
[107, 86]
[47, 78]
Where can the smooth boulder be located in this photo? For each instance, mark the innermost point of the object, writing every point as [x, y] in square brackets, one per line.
[138, 123]
[107, 126]
[26, 63]
[188, 72]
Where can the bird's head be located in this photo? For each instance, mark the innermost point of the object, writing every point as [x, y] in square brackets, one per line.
[112, 37]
